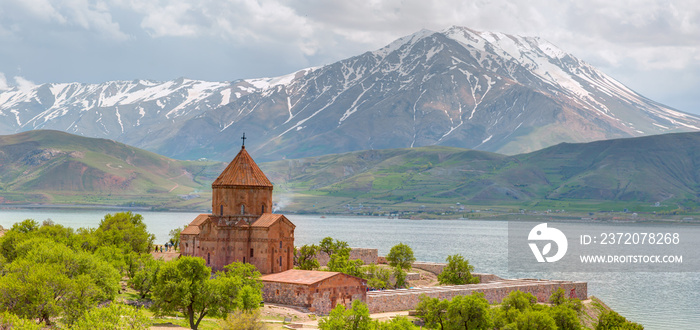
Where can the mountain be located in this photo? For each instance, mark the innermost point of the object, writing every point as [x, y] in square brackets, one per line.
[458, 87]
[636, 171]
[59, 168]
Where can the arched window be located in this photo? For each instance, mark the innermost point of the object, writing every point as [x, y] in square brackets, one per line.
[208, 258]
[242, 209]
[263, 209]
[221, 209]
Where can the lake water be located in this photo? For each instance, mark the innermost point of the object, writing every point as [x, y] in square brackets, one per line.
[656, 300]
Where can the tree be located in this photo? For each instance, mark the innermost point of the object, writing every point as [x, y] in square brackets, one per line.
[401, 255]
[433, 312]
[175, 237]
[377, 277]
[558, 297]
[515, 304]
[535, 320]
[144, 277]
[305, 257]
[469, 312]
[356, 318]
[126, 231]
[399, 278]
[340, 262]
[114, 316]
[457, 272]
[330, 247]
[186, 285]
[48, 279]
[610, 320]
[565, 318]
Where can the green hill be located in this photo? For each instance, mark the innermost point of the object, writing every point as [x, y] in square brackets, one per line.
[615, 174]
[59, 168]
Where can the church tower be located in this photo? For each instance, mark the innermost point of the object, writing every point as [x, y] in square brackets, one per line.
[242, 190]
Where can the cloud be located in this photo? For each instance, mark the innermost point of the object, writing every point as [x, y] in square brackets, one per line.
[3, 82]
[24, 84]
[61, 16]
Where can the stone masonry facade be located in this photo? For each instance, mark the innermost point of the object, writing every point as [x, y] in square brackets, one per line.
[319, 295]
[494, 292]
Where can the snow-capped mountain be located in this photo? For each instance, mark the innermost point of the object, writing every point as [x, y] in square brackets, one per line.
[459, 87]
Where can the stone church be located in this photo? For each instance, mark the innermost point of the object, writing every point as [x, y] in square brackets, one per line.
[242, 227]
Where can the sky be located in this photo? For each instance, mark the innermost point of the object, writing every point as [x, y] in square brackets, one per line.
[652, 46]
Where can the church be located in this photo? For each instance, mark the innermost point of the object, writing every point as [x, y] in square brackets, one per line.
[242, 226]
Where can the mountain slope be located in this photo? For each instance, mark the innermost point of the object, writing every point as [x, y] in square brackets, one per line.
[458, 87]
[662, 168]
[56, 167]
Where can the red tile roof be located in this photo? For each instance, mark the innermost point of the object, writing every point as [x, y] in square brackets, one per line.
[268, 219]
[242, 171]
[296, 276]
[193, 227]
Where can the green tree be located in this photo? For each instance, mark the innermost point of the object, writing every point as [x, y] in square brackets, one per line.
[305, 257]
[246, 273]
[48, 279]
[114, 316]
[113, 255]
[469, 312]
[565, 318]
[458, 271]
[126, 231]
[144, 277]
[186, 285]
[399, 278]
[175, 237]
[18, 233]
[331, 247]
[356, 318]
[516, 303]
[401, 255]
[558, 297]
[340, 262]
[610, 320]
[535, 320]
[377, 277]
[433, 312]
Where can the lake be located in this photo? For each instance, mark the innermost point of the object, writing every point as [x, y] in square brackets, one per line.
[656, 300]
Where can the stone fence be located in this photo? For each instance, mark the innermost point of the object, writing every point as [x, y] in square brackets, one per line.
[494, 292]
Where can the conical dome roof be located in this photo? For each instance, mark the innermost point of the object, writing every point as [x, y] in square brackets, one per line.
[242, 171]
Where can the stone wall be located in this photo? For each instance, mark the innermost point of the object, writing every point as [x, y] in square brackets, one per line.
[437, 267]
[494, 292]
[368, 256]
[433, 267]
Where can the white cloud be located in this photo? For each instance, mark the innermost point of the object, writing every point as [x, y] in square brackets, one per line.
[24, 84]
[3, 82]
[93, 16]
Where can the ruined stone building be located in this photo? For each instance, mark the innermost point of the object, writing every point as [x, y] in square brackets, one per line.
[242, 227]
